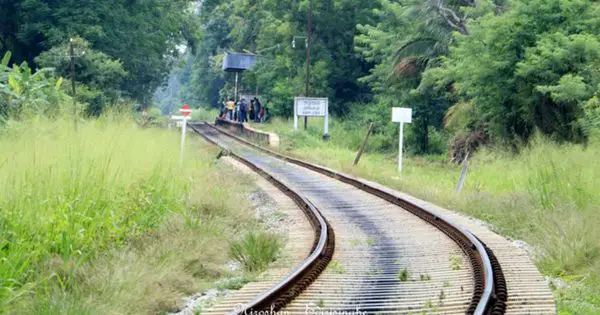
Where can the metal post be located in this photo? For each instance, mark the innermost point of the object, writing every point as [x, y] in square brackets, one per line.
[295, 114]
[308, 44]
[183, 134]
[326, 127]
[72, 52]
[236, 88]
[400, 147]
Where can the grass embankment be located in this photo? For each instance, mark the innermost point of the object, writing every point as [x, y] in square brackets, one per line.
[105, 221]
[204, 114]
[548, 195]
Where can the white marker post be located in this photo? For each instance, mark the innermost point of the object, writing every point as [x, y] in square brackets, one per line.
[186, 112]
[312, 107]
[401, 115]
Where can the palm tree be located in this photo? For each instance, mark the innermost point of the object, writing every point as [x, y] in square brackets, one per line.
[431, 34]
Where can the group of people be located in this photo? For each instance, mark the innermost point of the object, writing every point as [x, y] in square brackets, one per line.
[243, 111]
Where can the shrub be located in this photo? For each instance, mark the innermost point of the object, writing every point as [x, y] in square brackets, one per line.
[255, 251]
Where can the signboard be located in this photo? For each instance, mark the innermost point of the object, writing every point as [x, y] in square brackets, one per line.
[402, 115]
[314, 107]
[311, 106]
[185, 110]
[247, 97]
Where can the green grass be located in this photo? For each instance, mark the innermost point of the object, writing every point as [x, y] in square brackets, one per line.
[255, 251]
[548, 195]
[404, 275]
[208, 115]
[105, 220]
[337, 267]
[456, 261]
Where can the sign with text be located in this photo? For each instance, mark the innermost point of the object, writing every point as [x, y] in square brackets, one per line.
[402, 115]
[311, 106]
[247, 97]
[315, 107]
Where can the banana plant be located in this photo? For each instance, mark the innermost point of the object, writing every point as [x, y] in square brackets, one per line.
[23, 91]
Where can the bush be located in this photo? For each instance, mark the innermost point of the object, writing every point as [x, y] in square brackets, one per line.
[255, 251]
[25, 93]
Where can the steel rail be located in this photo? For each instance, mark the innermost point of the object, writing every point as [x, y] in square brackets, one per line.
[489, 295]
[322, 251]
[257, 303]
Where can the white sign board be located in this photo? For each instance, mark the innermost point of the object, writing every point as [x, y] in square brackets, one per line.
[314, 107]
[402, 115]
[174, 117]
[247, 97]
[311, 106]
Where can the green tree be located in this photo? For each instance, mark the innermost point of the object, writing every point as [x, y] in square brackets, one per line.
[267, 28]
[531, 68]
[98, 71]
[144, 35]
[409, 38]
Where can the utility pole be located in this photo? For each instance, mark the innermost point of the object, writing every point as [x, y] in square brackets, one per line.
[308, 44]
[72, 53]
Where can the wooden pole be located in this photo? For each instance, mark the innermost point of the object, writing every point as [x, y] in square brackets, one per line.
[463, 174]
[308, 44]
[363, 145]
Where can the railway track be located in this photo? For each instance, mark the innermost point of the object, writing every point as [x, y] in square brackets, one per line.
[373, 253]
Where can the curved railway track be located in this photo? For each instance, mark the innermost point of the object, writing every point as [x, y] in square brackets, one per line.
[373, 252]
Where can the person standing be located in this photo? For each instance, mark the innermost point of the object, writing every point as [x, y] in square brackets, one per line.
[230, 107]
[243, 110]
[251, 112]
[262, 115]
[236, 111]
[257, 109]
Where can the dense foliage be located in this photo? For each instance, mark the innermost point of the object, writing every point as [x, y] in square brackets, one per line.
[268, 28]
[142, 35]
[535, 67]
[24, 93]
[477, 72]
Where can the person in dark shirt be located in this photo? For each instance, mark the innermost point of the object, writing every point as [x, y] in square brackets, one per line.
[257, 109]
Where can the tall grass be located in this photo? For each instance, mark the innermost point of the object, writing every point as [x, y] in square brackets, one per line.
[255, 251]
[560, 186]
[548, 195]
[68, 195]
[104, 219]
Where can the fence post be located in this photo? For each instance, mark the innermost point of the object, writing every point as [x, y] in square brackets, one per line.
[463, 174]
[363, 145]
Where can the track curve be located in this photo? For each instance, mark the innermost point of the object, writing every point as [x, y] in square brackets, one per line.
[391, 256]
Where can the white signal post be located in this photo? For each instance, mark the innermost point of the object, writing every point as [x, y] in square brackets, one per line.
[186, 112]
[401, 115]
